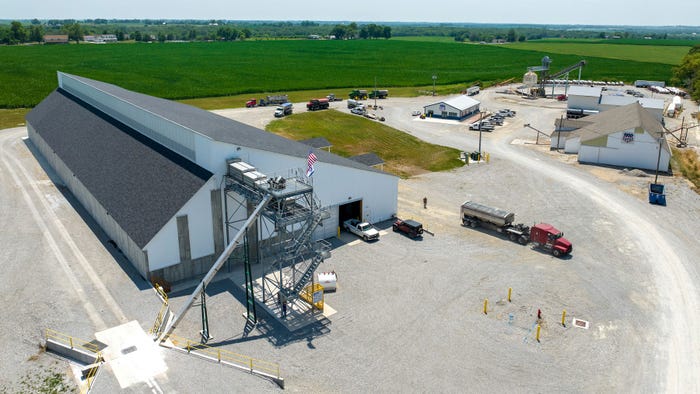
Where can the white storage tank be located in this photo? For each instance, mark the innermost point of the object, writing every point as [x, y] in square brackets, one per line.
[530, 79]
[328, 280]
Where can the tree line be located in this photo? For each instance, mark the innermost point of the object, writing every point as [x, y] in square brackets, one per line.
[212, 30]
[687, 74]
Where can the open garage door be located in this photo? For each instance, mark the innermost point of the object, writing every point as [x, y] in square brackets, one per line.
[351, 210]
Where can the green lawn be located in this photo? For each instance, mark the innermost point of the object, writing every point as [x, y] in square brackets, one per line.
[403, 154]
[12, 117]
[194, 70]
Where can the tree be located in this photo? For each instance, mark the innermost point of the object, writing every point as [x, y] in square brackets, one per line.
[246, 33]
[18, 33]
[74, 31]
[339, 31]
[511, 35]
[364, 33]
[387, 32]
[36, 33]
[192, 35]
[687, 74]
[35, 22]
[352, 30]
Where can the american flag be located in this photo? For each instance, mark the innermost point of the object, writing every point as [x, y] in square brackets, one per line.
[310, 163]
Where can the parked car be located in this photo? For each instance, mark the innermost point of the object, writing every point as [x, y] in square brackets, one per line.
[359, 110]
[507, 112]
[485, 126]
[415, 113]
[363, 230]
[498, 120]
[409, 227]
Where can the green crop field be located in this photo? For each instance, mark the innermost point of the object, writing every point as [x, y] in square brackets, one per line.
[191, 70]
[404, 154]
[659, 53]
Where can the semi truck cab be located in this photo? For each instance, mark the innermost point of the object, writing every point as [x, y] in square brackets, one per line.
[548, 237]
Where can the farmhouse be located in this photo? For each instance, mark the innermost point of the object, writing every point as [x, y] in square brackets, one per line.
[626, 136]
[155, 175]
[56, 39]
[457, 108]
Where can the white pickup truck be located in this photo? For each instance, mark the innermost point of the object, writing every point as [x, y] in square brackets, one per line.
[363, 230]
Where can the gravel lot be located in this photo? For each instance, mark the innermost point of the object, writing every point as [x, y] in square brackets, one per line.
[409, 312]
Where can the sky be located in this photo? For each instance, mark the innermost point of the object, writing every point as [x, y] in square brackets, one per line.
[545, 12]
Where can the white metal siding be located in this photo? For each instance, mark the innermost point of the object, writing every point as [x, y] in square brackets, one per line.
[163, 249]
[641, 153]
[330, 225]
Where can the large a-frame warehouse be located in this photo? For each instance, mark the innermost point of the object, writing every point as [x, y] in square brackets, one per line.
[151, 172]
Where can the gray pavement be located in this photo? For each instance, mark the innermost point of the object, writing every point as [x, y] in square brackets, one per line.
[409, 312]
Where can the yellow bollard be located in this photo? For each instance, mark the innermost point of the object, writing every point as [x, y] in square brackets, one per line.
[563, 318]
[486, 304]
[488, 156]
[338, 231]
[510, 290]
[537, 336]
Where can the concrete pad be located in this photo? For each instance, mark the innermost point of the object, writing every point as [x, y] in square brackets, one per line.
[299, 313]
[131, 354]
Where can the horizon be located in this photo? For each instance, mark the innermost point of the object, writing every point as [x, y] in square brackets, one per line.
[589, 13]
[359, 22]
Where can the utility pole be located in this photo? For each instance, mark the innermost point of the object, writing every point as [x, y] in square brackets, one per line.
[434, 79]
[481, 116]
[375, 93]
[658, 159]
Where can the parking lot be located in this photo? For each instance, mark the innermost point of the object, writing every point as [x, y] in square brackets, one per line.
[409, 312]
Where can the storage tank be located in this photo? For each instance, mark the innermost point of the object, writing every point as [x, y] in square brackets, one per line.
[491, 215]
[677, 102]
[329, 280]
[530, 79]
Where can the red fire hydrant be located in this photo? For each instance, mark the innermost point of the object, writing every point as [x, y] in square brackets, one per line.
[539, 314]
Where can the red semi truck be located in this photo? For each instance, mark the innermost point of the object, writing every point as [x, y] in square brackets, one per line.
[543, 235]
[316, 104]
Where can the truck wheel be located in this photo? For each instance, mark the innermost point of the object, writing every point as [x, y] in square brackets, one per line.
[556, 252]
[365, 238]
[395, 228]
[472, 224]
[522, 240]
[513, 237]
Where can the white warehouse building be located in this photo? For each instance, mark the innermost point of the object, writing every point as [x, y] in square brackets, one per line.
[626, 136]
[590, 99]
[150, 172]
[456, 108]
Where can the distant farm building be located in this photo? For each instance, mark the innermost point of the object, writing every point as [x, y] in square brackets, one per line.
[628, 136]
[457, 108]
[56, 39]
[588, 100]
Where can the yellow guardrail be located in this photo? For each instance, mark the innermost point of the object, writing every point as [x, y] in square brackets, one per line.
[74, 342]
[224, 355]
[163, 310]
[71, 341]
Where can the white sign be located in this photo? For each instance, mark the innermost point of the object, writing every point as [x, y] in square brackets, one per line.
[318, 296]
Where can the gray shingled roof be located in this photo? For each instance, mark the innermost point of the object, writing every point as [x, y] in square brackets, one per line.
[220, 128]
[141, 184]
[318, 142]
[621, 118]
[369, 159]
